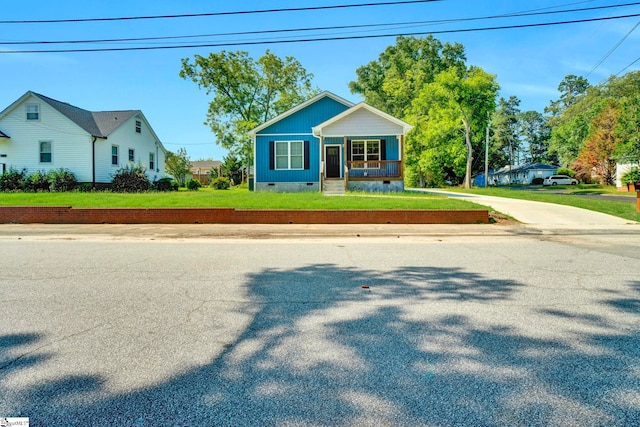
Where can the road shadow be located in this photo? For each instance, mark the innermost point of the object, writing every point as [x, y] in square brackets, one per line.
[329, 345]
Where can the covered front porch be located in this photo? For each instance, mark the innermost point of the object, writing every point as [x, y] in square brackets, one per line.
[363, 149]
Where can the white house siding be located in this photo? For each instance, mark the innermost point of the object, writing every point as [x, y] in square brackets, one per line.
[71, 146]
[362, 120]
[126, 137]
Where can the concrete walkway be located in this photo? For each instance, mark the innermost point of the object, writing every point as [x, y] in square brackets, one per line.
[537, 213]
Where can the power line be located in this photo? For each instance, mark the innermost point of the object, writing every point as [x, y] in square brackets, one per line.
[196, 15]
[319, 39]
[613, 49]
[307, 29]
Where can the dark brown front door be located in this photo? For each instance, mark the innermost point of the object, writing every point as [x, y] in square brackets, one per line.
[332, 159]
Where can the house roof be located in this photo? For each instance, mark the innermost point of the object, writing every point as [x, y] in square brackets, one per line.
[3, 135]
[299, 107]
[406, 127]
[525, 167]
[100, 123]
[97, 123]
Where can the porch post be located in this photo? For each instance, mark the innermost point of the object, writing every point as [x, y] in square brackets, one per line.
[401, 155]
[322, 163]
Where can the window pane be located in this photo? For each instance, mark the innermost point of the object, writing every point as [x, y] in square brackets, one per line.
[282, 148]
[33, 111]
[296, 148]
[282, 162]
[296, 162]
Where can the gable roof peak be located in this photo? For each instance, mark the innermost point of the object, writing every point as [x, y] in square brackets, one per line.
[312, 100]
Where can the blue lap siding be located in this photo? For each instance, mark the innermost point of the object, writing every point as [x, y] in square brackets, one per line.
[296, 127]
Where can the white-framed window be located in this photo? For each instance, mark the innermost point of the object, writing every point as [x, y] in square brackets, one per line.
[33, 112]
[289, 154]
[132, 155]
[46, 151]
[365, 153]
[114, 155]
[138, 126]
[152, 161]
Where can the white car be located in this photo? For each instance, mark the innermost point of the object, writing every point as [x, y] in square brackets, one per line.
[559, 180]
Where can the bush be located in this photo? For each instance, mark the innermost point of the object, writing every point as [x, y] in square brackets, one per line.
[221, 183]
[13, 180]
[566, 171]
[193, 184]
[631, 176]
[165, 184]
[537, 181]
[37, 181]
[130, 179]
[62, 180]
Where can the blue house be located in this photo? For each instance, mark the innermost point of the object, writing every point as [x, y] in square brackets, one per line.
[329, 144]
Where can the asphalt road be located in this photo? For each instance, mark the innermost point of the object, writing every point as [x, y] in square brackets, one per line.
[479, 325]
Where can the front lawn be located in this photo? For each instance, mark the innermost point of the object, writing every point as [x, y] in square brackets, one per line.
[236, 198]
[622, 209]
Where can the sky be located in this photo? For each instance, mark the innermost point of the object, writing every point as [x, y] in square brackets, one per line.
[529, 62]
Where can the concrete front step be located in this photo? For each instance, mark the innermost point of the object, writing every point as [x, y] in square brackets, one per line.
[333, 187]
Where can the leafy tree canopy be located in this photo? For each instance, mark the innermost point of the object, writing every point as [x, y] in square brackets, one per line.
[178, 165]
[393, 81]
[458, 104]
[246, 92]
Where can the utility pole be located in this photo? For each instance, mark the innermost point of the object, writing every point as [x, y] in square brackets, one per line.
[486, 153]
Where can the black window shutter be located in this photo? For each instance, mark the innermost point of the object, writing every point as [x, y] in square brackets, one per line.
[348, 150]
[306, 154]
[272, 155]
[383, 149]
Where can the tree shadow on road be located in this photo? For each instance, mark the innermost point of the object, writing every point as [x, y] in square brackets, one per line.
[329, 345]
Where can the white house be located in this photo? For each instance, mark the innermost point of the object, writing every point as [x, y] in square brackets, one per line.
[38, 133]
[521, 174]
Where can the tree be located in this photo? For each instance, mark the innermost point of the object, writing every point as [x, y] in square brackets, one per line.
[535, 133]
[178, 165]
[460, 98]
[393, 81]
[597, 153]
[505, 140]
[232, 168]
[246, 92]
[570, 88]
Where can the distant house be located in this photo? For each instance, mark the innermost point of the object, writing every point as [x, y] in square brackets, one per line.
[38, 133]
[201, 170]
[329, 144]
[521, 174]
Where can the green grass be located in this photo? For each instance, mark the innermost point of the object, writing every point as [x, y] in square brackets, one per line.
[626, 210]
[236, 198]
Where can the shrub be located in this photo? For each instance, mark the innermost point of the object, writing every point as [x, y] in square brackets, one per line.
[130, 179]
[631, 176]
[37, 181]
[566, 171]
[13, 180]
[193, 184]
[165, 184]
[537, 181]
[221, 183]
[84, 188]
[62, 180]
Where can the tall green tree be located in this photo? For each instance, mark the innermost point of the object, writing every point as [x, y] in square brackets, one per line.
[505, 140]
[178, 165]
[393, 81]
[246, 92]
[459, 99]
[534, 134]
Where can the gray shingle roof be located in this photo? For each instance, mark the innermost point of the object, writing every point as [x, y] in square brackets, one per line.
[100, 123]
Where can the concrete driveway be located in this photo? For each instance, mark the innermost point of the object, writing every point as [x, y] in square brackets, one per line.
[538, 213]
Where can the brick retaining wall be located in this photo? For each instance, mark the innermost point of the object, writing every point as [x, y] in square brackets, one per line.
[70, 215]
